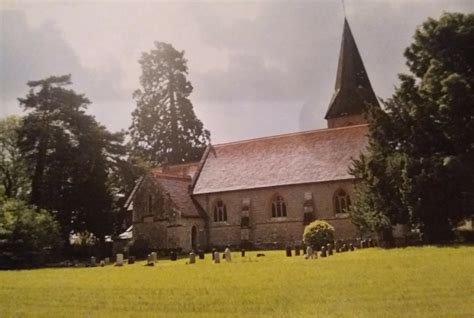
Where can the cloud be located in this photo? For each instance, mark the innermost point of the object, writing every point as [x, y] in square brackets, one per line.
[31, 53]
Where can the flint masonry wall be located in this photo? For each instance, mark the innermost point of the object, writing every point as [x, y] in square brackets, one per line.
[264, 230]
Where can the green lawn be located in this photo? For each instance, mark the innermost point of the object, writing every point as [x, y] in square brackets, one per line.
[409, 282]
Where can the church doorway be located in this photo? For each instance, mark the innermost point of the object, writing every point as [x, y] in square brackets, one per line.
[193, 238]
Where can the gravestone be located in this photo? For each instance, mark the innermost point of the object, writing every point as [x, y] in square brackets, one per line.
[351, 247]
[216, 257]
[288, 251]
[370, 243]
[149, 260]
[173, 256]
[93, 261]
[107, 260]
[119, 260]
[242, 252]
[131, 260]
[102, 263]
[297, 251]
[213, 253]
[154, 257]
[201, 254]
[192, 258]
[344, 248]
[329, 249]
[323, 252]
[309, 252]
[362, 243]
[228, 255]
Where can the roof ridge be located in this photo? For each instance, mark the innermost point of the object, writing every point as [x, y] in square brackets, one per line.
[320, 130]
[170, 175]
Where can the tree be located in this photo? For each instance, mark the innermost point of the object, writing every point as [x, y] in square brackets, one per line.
[164, 127]
[318, 233]
[70, 157]
[420, 167]
[13, 176]
[28, 236]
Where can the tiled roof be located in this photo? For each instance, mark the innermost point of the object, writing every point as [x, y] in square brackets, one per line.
[178, 189]
[306, 157]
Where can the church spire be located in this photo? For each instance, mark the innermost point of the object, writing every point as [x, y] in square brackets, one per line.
[352, 90]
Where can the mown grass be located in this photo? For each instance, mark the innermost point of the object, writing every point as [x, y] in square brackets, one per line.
[410, 282]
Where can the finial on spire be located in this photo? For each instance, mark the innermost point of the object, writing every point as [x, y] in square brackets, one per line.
[343, 8]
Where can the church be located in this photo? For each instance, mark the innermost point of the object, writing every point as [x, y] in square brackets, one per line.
[261, 193]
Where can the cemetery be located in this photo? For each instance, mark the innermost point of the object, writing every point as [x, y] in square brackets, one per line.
[342, 280]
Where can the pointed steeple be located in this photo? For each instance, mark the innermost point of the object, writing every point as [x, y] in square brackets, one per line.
[353, 90]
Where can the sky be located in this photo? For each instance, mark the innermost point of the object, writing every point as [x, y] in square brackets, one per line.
[258, 68]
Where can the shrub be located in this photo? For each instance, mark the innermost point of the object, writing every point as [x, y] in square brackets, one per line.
[28, 236]
[318, 233]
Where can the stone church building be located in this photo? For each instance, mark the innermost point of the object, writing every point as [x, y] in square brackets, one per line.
[262, 192]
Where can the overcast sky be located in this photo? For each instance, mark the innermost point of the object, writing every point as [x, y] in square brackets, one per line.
[258, 68]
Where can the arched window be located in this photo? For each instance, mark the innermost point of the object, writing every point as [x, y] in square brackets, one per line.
[278, 207]
[342, 202]
[220, 212]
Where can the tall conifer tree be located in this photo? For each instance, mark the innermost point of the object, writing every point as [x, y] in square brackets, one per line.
[165, 128]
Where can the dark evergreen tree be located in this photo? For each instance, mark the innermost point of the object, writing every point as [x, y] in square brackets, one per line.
[420, 167]
[70, 157]
[165, 128]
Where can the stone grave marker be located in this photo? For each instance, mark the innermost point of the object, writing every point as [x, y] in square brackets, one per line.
[119, 260]
[344, 248]
[323, 251]
[351, 247]
[192, 258]
[131, 260]
[102, 263]
[329, 249]
[370, 243]
[173, 256]
[242, 252]
[309, 253]
[107, 260]
[213, 253]
[154, 256]
[149, 260]
[297, 251]
[217, 257]
[288, 251]
[201, 254]
[93, 261]
[228, 255]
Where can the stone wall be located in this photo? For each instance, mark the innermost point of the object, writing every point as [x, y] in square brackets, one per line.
[346, 121]
[266, 231]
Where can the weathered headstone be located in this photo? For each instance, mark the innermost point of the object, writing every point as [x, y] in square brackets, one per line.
[173, 256]
[288, 251]
[119, 260]
[154, 257]
[192, 258]
[201, 254]
[102, 263]
[228, 255]
[370, 243]
[131, 260]
[344, 248]
[329, 249]
[242, 252]
[217, 257]
[297, 251]
[362, 243]
[323, 252]
[149, 260]
[213, 253]
[309, 252]
[107, 260]
[93, 261]
[351, 247]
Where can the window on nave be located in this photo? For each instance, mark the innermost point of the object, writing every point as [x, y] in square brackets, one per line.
[278, 207]
[220, 212]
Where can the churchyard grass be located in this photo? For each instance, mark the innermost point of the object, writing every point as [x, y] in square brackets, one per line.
[405, 282]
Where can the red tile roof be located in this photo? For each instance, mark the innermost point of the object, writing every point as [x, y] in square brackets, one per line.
[306, 157]
[178, 188]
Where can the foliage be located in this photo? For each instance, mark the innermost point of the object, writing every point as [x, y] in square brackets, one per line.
[165, 128]
[70, 157]
[420, 168]
[28, 236]
[318, 233]
[14, 180]
[364, 283]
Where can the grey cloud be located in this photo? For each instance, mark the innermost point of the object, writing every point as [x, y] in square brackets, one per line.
[29, 53]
